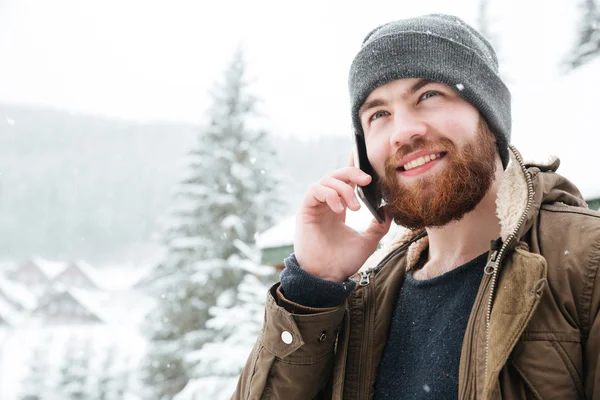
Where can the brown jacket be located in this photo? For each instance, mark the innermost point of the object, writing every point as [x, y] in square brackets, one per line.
[533, 333]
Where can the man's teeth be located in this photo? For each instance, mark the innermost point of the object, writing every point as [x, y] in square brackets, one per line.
[420, 161]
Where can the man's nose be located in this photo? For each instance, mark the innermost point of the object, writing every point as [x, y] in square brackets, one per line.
[406, 127]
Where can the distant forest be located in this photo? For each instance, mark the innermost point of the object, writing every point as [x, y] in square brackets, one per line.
[79, 186]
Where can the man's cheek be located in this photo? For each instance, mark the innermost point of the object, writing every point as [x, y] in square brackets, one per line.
[377, 163]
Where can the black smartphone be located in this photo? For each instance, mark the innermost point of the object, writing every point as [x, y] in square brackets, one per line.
[371, 194]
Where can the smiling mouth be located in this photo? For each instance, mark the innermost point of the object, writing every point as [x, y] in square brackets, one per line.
[421, 161]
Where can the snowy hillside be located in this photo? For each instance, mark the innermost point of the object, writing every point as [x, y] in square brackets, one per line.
[82, 186]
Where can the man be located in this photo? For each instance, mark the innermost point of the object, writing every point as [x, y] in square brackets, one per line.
[441, 313]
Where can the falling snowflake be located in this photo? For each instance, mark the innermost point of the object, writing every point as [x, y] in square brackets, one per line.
[460, 87]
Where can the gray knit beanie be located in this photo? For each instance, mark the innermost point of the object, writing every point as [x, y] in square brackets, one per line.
[441, 48]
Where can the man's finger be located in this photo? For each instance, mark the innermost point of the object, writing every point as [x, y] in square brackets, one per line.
[351, 175]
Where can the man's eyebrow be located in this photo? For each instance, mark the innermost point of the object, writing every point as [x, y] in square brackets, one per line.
[415, 88]
[380, 102]
[371, 104]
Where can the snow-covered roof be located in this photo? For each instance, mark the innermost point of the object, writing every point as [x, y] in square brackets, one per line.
[562, 119]
[110, 278]
[60, 296]
[50, 268]
[282, 234]
[79, 266]
[8, 313]
[18, 292]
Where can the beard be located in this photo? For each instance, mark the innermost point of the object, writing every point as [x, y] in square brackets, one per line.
[438, 199]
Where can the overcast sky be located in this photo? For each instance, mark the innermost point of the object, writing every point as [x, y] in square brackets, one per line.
[156, 59]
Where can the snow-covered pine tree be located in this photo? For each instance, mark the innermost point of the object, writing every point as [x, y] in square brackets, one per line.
[236, 321]
[122, 377]
[104, 389]
[587, 45]
[75, 369]
[228, 195]
[113, 377]
[34, 386]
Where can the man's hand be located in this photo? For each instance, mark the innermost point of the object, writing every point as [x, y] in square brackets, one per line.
[324, 245]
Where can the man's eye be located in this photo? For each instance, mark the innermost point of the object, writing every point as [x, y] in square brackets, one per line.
[378, 114]
[428, 95]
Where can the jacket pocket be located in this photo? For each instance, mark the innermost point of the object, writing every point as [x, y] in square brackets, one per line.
[551, 369]
[564, 355]
[515, 385]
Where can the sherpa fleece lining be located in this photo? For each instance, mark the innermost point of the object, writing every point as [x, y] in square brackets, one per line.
[511, 204]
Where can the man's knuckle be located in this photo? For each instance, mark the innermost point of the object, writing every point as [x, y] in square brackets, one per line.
[324, 180]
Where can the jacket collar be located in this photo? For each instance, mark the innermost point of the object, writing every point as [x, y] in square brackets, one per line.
[512, 202]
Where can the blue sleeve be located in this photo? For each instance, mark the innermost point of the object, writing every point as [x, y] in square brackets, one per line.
[307, 290]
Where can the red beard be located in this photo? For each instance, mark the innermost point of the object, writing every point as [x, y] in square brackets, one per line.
[438, 199]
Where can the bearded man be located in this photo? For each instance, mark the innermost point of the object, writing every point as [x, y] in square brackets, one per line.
[493, 289]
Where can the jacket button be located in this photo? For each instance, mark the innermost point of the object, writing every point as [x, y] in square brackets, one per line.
[287, 337]
[322, 336]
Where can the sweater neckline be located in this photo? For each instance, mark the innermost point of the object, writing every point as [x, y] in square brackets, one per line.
[458, 271]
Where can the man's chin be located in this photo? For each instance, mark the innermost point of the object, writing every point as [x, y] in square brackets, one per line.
[423, 205]
[424, 189]
[424, 218]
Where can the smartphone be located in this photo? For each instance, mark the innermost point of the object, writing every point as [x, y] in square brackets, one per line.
[371, 194]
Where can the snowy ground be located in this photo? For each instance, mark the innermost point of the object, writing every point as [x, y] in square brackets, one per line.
[17, 347]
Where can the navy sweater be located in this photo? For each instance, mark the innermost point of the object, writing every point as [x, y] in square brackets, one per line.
[422, 353]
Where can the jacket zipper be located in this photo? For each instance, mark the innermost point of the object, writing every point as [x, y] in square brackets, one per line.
[492, 266]
[365, 360]
[365, 280]
[368, 310]
[469, 337]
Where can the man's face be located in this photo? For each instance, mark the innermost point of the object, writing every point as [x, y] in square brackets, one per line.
[433, 153]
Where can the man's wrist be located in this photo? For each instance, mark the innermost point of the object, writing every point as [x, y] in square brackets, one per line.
[324, 276]
[308, 290]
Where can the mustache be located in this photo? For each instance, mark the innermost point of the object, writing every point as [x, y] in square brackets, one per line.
[420, 143]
